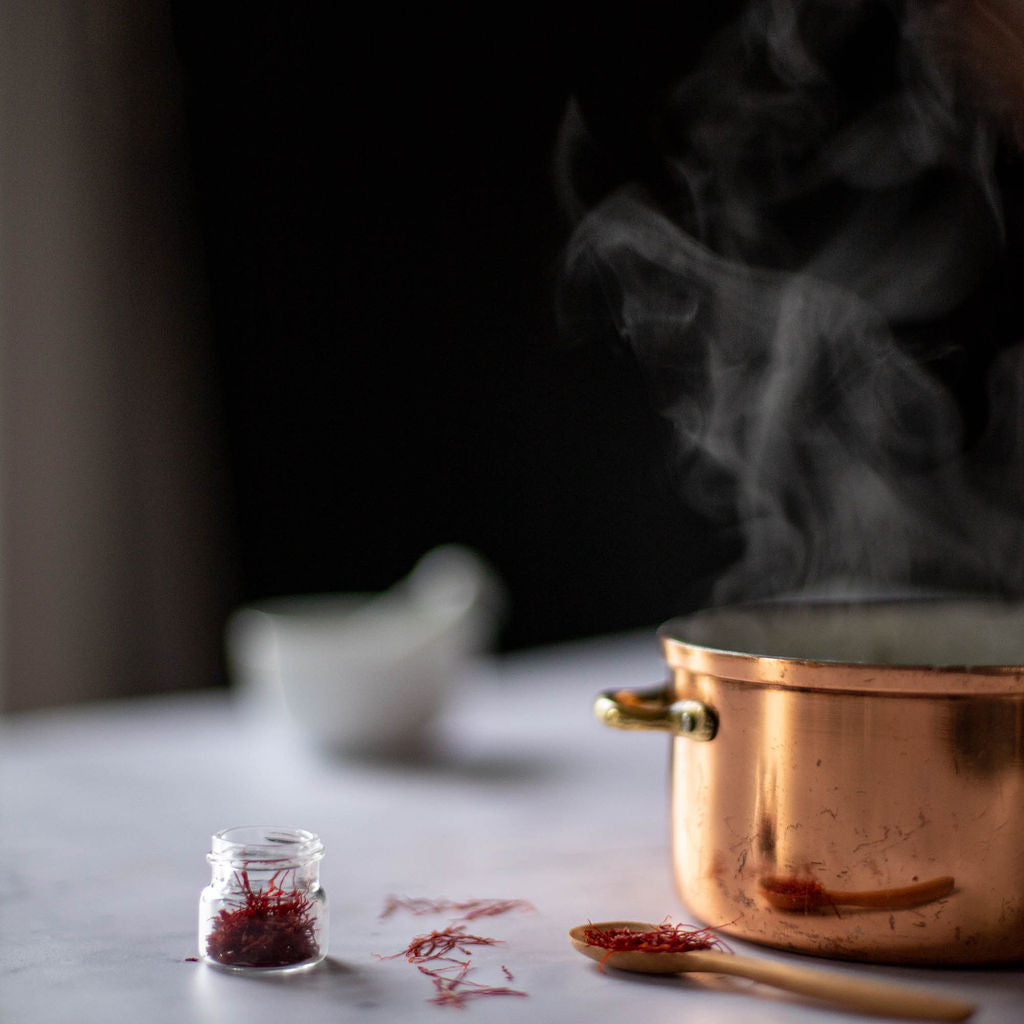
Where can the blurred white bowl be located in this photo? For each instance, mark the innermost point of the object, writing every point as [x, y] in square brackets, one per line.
[368, 673]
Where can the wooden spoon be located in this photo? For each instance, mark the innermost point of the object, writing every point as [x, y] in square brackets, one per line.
[875, 997]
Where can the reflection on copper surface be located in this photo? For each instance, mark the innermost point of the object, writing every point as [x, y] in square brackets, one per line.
[895, 787]
[807, 896]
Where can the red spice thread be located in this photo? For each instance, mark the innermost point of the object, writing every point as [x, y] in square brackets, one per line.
[456, 989]
[468, 910]
[432, 953]
[666, 938]
[438, 944]
[274, 927]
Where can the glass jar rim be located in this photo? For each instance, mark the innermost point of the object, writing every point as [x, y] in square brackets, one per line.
[253, 845]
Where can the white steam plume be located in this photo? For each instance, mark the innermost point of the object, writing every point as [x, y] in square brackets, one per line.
[836, 202]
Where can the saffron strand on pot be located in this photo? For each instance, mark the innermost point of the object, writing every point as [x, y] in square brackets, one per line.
[806, 896]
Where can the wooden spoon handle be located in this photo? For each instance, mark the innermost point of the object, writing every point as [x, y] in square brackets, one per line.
[889, 1000]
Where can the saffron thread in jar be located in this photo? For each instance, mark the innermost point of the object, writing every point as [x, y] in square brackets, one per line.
[273, 927]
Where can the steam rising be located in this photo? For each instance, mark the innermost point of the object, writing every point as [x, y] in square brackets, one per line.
[830, 209]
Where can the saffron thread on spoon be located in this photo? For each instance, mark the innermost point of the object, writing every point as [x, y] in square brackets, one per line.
[666, 938]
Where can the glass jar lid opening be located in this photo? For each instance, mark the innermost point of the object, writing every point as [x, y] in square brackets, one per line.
[252, 845]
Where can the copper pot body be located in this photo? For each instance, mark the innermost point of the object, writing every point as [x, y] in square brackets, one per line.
[847, 780]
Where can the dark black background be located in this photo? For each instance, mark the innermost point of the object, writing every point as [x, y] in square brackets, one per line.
[382, 229]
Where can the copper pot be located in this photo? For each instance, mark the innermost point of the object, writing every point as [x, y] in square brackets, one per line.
[847, 780]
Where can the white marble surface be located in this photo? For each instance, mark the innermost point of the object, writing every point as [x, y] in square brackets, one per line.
[106, 813]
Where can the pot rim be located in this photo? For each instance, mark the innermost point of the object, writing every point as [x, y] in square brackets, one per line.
[708, 643]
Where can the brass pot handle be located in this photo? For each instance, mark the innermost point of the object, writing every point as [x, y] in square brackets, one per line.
[655, 709]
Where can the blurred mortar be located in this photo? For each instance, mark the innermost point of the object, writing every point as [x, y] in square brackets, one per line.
[369, 673]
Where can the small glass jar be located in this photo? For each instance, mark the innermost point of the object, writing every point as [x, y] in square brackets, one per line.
[264, 909]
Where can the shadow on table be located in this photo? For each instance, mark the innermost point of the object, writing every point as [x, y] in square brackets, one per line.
[476, 766]
[331, 977]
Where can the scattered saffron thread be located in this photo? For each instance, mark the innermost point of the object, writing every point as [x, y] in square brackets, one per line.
[467, 910]
[438, 944]
[433, 953]
[666, 938]
[273, 927]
